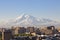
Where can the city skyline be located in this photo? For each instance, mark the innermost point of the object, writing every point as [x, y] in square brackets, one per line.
[39, 8]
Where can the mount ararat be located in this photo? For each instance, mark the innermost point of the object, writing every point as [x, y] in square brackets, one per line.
[28, 20]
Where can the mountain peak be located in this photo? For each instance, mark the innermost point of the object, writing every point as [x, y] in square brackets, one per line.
[23, 16]
[28, 20]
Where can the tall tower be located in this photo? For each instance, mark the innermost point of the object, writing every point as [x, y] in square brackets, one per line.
[3, 34]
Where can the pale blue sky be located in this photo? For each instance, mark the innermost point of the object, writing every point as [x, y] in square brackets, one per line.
[39, 8]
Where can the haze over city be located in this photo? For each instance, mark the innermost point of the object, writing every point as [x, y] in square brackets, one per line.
[39, 8]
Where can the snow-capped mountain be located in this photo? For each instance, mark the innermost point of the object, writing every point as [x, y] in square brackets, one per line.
[28, 20]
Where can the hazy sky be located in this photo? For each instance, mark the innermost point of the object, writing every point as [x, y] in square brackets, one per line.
[39, 8]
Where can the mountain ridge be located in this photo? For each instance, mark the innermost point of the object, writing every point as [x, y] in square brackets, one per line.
[28, 20]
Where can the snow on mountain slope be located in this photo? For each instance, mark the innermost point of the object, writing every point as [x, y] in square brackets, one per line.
[28, 20]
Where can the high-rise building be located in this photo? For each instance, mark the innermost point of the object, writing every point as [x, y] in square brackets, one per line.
[18, 30]
[6, 34]
[30, 29]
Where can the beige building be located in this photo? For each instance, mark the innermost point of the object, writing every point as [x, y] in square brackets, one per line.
[30, 29]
